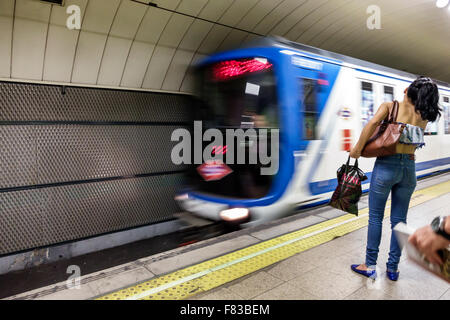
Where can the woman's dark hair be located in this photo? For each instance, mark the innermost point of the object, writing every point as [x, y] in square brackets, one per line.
[424, 94]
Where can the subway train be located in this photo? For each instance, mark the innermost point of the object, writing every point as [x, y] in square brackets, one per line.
[316, 102]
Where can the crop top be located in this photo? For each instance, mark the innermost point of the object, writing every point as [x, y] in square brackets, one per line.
[412, 135]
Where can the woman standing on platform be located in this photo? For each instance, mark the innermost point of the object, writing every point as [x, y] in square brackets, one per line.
[396, 173]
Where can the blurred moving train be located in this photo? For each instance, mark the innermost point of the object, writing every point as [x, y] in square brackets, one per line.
[320, 102]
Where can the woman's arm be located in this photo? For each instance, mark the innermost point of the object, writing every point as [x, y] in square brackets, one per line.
[369, 129]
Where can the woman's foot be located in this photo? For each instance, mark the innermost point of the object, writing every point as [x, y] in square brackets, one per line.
[364, 270]
[362, 267]
[392, 275]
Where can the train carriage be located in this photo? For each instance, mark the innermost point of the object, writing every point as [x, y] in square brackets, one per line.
[319, 101]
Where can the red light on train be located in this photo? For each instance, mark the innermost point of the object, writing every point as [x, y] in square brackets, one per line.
[323, 80]
[232, 68]
[347, 140]
[219, 150]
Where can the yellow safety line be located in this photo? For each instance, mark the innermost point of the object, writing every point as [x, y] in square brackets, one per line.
[218, 271]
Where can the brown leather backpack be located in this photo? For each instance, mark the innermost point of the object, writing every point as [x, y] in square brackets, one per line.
[384, 140]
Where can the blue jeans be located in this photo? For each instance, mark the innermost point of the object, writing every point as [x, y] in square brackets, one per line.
[396, 173]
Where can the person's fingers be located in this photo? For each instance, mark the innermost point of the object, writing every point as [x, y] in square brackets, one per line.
[435, 258]
[420, 244]
[413, 239]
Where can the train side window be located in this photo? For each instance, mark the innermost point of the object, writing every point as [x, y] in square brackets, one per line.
[432, 127]
[446, 105]
[367, 102]
[388, 94]
[309, 108]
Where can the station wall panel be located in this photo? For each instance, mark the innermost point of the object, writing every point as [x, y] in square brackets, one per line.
[44, 216]
[30, 102]
[77, 162]
[6, 26]
[45, 154]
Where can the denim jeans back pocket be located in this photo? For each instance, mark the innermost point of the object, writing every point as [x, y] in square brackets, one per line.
[410, 178]
[385, 173]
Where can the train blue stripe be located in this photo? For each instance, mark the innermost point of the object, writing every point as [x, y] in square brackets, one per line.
[325, 186]
[318, 203]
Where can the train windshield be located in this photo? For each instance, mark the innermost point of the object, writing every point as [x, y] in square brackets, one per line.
[241, 94]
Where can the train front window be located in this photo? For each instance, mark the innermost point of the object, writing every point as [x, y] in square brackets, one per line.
[240, 95]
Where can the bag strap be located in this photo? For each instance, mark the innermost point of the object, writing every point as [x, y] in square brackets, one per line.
[386, 119]
[347, 165]
[394, 112]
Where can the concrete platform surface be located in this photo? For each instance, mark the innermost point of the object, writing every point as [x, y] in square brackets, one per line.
[320, 272]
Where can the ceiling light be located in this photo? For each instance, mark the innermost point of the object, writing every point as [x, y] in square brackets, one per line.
[442, 3]
[57, 2]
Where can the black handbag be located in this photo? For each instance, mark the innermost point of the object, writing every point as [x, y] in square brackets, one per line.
[348, 191]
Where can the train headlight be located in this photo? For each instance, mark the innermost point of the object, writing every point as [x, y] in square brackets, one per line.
[235, 214]
[182, 197]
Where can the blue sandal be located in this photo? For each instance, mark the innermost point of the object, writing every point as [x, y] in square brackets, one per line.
[393, 276]
[367, 273]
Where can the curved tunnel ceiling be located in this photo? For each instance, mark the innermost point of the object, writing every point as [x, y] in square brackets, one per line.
[124, 43]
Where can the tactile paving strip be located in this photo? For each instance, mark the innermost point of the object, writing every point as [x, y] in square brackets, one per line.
[213, 273]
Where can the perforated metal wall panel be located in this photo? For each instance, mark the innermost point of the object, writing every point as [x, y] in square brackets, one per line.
[43, 216]
[17, 156]
[19, 101]
[20, 220]
[86, 162]
[42, 154]
[30, 102]
[73, 152]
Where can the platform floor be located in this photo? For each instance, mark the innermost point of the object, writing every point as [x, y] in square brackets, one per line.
[301, 257]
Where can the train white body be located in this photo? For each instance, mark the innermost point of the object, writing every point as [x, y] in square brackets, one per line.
[313, 178]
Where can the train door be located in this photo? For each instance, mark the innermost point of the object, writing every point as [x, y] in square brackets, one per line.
[446, 115]
[315, 81]
[308, 108]
[310, 83]
[445, 127]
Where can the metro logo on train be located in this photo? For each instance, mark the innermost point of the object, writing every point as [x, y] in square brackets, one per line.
[213, 170]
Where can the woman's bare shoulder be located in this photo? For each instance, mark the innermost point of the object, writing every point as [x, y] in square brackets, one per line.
[387, 106]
